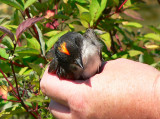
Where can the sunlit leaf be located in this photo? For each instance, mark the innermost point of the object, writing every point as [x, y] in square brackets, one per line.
[33, 43]
[152, 36]
[51, 33]
[96, 8]
[133, 24]
[152, 46]
[27, 50]
[133, 53]
[107, 40]
[127, 4]
[12, 3]
[3, 53]
[82, 9]
[22, 70]
[28, 3]
[65, 1]
[85, 16]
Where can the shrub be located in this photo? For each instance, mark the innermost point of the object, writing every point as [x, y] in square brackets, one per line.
[35, 25]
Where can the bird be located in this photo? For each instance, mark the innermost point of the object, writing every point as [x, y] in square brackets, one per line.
[76, 56]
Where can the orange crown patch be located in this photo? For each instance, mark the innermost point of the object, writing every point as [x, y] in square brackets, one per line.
[62, 48]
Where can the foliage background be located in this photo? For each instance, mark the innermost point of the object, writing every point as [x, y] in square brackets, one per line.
[29, 28]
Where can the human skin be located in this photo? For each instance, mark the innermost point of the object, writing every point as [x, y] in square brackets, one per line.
[125, 89]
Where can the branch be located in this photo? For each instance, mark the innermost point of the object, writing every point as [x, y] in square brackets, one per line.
[33, 26]
[112, 43]
[9, 83]
[121, 6]
[117, 11]
[10, 100]
[20, 99]
[121, 49]
[15, 63]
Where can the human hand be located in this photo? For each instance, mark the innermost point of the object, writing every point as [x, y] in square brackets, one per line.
[123, 90]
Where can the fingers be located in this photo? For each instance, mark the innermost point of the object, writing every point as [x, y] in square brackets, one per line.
[59, 90]
[59, 111]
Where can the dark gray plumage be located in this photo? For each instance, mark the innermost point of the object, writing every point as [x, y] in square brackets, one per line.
[76, 56]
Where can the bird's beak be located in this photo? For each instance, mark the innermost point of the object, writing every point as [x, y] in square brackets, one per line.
[79, 62]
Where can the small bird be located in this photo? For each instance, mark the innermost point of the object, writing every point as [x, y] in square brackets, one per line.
[76, 56]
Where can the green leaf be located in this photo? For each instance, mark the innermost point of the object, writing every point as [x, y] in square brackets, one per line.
[96, 8]
[9, 112]
[111, 3]
[71, 27]
[51, 33]
[16, 18]
[107, 40]
[26, 51]
[133, 24]
[152, 46]
[81, 9]
[53, 39]
[152, 36]
[61, 16]
[29, 3]
[21, 2]
[5, 66]
[42, 43]
[12, 3]
[22, 70]
[36, 68]
[133, 53]
[8, 42]
[156, 30]
[3, 53]
[33, 43]
[127, 4]
[85, 16]
[38, 98]
[146, 58]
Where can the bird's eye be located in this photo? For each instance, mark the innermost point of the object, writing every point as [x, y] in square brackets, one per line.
[62, 48]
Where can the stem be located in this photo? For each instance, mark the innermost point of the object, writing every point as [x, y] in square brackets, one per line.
[33, 26]
[15, 63]
[121, 5]
[119, 42]
[117, 11]
[1, 37]
[112, 43]
[10, 100]
[9, 83]
[20, 99]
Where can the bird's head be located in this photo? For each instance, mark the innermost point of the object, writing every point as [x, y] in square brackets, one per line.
[68, 51]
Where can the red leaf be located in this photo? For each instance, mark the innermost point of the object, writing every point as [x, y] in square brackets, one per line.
[8, 32]
[26, 24]
[133, 14]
